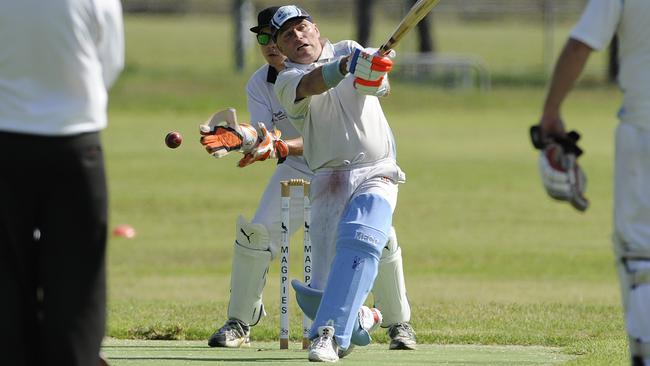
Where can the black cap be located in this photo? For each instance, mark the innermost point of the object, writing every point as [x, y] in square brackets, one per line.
[264, 18]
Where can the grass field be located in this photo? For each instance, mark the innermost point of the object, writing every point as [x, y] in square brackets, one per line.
[489, 259]
[173, 353]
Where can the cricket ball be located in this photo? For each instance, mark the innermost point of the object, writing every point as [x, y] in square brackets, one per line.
[173, 140]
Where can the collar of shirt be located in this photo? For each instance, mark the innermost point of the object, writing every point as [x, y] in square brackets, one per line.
[325, 56]
[271, 75]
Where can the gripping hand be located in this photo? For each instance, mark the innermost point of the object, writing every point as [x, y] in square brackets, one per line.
[367, 64]
[561, 175]
[377, 88]
[221, 134]
[270, 146]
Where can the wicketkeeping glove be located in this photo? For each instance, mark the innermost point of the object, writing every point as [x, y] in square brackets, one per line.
[270, 146]
[222, 140]
[222, 134]
[561, 175]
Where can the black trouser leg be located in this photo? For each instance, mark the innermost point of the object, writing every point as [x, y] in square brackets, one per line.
[56, 186]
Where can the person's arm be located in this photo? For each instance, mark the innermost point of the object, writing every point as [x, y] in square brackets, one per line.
[314, 82]
[110, 42]
[295, 146]
[567, 70]
[562, 177]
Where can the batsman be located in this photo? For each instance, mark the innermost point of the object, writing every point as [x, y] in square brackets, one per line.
[257, 242]
[331, 94]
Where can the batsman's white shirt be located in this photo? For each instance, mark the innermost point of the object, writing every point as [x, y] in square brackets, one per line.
[349, 128]
[630, 20]
[37, 93]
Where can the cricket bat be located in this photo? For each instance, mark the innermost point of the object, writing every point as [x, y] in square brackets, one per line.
[417, 12]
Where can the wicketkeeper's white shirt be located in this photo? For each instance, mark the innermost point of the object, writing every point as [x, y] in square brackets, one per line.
[340, 127]
[44, 47]
[630, 19]
[264, 107]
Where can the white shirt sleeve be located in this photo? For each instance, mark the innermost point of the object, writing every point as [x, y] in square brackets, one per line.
[598, 23]
[110, 43]
[258, 106]
[285, 89]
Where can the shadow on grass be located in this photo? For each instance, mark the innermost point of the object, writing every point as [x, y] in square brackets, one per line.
[201, 359]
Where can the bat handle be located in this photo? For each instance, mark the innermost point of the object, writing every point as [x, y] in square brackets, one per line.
[383, 50]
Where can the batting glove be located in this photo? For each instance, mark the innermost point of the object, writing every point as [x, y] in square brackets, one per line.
[562, 176]
[270, 146]
[367, 64]
[377, 88]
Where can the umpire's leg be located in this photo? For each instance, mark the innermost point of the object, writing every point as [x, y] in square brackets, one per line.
[18, 200]
[72, 257]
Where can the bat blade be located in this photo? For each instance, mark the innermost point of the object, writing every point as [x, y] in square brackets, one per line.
[417, 12]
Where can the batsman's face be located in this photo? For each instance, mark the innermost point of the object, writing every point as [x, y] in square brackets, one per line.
[300, 41]
[270, 50]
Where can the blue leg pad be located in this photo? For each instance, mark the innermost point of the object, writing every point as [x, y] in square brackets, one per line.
[362, 234]
[309, 300]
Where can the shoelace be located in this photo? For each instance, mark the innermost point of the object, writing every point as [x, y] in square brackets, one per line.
[394, 330]
[233, 326]
[324, 342]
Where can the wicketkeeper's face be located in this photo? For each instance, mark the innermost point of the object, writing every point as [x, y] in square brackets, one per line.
[269, 49]
[299, 40]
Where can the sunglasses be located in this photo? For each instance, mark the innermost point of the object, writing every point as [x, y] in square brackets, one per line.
[263, 38]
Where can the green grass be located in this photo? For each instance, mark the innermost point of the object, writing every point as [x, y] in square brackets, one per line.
[489, 258]
[138, 353]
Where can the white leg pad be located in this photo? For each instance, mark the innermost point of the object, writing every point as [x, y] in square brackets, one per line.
[250, 235]
[250, 264]
[635, 287]
[389, 291]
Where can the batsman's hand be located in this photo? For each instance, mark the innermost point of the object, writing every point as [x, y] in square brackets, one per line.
[219, 141]
[270, 146]
[562, 176]
[378, 88]
[367, 64]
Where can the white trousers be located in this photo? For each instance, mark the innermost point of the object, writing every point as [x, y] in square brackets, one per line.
[331, 192]
[268, 211]
[632, 191]
[631, 237]
[390, 297]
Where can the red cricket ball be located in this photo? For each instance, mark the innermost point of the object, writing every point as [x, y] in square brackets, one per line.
[173, 140]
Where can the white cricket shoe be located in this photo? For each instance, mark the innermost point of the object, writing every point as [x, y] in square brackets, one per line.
[324, 348]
